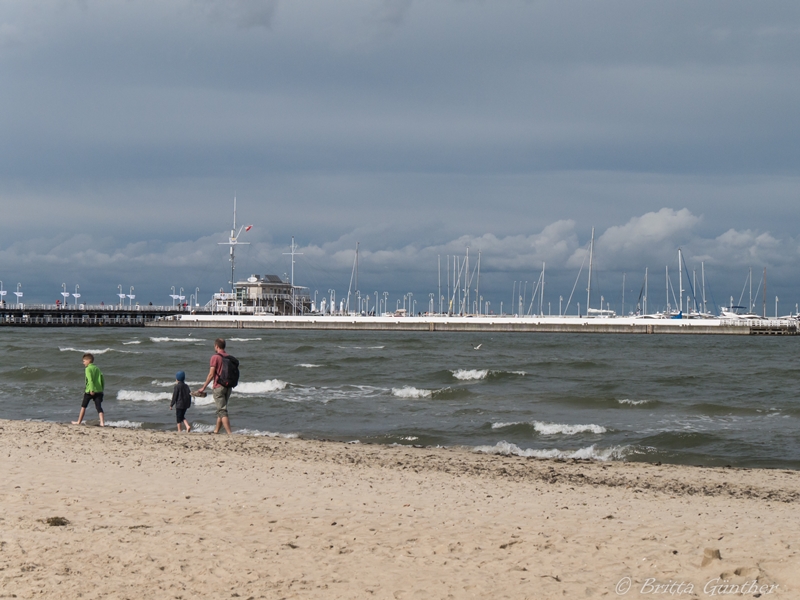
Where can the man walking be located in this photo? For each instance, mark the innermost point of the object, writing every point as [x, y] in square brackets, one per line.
[224, 372]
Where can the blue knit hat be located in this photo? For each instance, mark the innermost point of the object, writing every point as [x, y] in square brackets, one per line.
[180, 376]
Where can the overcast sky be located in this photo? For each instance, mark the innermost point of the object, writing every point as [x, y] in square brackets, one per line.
[415, 128]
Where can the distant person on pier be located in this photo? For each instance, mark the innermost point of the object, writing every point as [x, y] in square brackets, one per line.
[93, 391]
[181, 400]
[224, 372]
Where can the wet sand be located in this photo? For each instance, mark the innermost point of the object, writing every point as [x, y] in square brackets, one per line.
[167, 515]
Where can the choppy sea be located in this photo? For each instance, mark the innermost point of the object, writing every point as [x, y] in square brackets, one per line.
[710, 400]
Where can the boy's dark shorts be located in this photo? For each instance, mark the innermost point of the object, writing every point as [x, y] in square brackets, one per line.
[180, 414]
[98, 401]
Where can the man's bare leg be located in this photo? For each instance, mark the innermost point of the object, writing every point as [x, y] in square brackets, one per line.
[218, 425]
[188, 427]
[80, 417]
[227, 424]
[102, 419]
[179, 427]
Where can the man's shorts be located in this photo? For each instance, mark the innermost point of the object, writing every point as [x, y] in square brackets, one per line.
[98, 401]
[221, 396]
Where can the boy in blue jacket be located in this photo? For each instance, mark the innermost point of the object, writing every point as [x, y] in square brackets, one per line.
[181, 400]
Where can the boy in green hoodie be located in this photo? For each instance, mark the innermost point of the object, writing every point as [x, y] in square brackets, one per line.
[93, 390]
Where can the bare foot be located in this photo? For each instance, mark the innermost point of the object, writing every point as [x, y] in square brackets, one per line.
[77, 423]
[188, 428]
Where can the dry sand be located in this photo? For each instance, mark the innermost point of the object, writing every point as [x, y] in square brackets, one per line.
[167, 515]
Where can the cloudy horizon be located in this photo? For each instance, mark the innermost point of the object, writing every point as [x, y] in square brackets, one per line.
[415, 129]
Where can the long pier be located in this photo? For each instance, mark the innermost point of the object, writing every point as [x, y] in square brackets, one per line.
[44, 315]
[619, 325]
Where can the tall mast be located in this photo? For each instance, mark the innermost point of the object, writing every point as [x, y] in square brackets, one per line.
[750, 277]
[478, 282]
[293, 254]
[233, 241]
[667, 281]
[439, 260]
[680, 282]
[765, 292]
[623, 295]
[589, 288]
[645, 291]
[541, 293]
[703, 276]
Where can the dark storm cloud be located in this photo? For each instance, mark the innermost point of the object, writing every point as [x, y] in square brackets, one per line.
[409, 127]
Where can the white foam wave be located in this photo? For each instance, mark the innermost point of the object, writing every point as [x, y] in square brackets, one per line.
[328, 394]
[470, 374]
[124, 424]
[522, 373]
[198, 401]
[633, 402]
[411, 392]
[554, 428]
[202, 428]
[560, 428]
[502, 425]
[308, 366]
[169, 339]
[260, 387]
[590, 452]
[130, 343]
[139, 396]
[257, 433]
[96, 350]
[244, 339]
[158, 383]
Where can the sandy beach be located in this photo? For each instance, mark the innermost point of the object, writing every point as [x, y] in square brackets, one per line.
[163, 515]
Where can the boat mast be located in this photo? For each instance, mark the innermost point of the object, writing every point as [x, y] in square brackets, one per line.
[750, 278]
[589, 288]
[541, 293]
[623, 295]
[765, 292]
[478, 282]
[667, 278]
[645, 290]
[439, 261]
[703, 276]
[680, 282]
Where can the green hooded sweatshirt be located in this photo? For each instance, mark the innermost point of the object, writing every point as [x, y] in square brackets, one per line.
[94, 379]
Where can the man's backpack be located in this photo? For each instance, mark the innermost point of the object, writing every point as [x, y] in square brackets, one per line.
[229, 375]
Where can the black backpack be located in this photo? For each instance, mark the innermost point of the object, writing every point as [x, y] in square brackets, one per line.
[229, 376]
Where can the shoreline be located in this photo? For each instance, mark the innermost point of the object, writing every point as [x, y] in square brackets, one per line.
[156, 513]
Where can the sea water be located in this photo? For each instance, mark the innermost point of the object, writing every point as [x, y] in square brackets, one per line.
[711, 400]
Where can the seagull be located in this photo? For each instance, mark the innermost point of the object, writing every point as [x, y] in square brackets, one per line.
[478, 347]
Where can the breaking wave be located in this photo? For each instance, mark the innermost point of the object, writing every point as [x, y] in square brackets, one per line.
[308, 366]
[96, 351]
[257, 433]
[590, 452]
[261, 387]
[244, 339]
[478, 374]
[169, 339]
[470, 374]
[543, 428]
[411, 392]
[138, 396]
[124, 424]
[634, 402]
